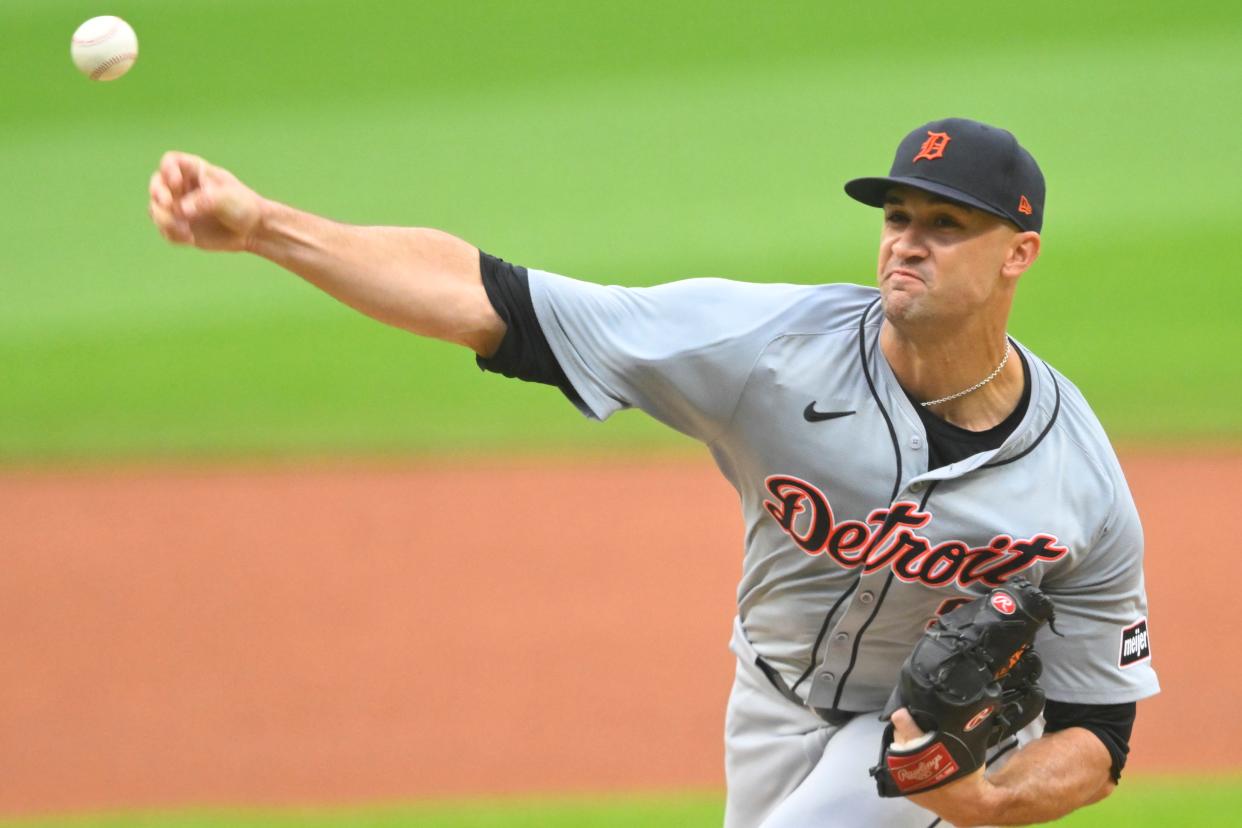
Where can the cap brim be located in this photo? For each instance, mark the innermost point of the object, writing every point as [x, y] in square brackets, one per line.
[873, 190]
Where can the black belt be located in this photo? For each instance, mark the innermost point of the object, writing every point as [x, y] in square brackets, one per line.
[831, 715]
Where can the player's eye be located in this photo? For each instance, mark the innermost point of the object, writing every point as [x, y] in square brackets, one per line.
[946, 221]
[896, 217]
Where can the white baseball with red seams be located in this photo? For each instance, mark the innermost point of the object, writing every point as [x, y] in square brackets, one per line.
[103, 48]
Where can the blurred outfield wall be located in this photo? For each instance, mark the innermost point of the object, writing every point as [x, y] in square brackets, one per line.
[629, 143]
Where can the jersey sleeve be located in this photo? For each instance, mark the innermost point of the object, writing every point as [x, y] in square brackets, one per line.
[680, 351]
[1103, 652]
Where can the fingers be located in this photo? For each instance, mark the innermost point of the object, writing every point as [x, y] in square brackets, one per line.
[160, 207]
[181, 172]
[159, 192]
[170, 172]
[200, 202]
[173, 229]
[906, 734]
[192, 202]
[904, 728]
[189, 182]
[177, 195]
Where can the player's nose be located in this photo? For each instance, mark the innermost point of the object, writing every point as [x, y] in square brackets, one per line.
[909, 243]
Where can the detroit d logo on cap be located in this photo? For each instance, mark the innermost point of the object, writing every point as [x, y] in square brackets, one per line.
[933, 147]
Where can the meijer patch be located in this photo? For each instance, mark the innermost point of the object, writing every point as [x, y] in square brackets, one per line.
[1135, 645]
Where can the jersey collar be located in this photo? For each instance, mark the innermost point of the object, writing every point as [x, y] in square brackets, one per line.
[1041, 413]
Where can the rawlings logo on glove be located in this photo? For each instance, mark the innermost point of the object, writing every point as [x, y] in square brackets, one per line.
[922, 770]
[969, 683]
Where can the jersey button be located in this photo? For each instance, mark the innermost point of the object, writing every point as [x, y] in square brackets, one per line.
[916, 441]
[828, 677]
[866, 597]
[916, 487]
[841, 637]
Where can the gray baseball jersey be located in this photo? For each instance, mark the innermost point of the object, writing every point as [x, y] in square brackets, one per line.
[851, 544]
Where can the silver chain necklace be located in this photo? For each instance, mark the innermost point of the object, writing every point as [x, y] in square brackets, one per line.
[977, 385]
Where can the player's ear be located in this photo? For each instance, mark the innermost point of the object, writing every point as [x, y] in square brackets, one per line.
[1022, 253]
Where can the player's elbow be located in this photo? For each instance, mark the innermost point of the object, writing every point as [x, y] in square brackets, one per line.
[1102, 792]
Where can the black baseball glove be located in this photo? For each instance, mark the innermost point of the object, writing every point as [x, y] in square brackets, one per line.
[969, 683]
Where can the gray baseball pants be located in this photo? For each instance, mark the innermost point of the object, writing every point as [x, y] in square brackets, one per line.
[787, 768]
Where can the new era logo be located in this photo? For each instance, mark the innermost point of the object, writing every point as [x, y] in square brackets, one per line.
[1135, 645]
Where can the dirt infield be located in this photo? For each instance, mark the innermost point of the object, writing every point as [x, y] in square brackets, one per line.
[335, 634]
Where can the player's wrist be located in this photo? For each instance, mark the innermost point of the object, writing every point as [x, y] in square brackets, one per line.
[263, 234]
[990, 807]
[970, 801]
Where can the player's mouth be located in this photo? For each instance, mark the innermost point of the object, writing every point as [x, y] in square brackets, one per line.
[905, 273]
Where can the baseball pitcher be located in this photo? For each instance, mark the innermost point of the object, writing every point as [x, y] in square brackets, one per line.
[941, 618]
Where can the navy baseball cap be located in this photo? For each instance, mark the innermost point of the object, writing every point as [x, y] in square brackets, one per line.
[965, 161]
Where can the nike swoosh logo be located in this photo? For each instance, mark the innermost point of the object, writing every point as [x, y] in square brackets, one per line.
[813, 416]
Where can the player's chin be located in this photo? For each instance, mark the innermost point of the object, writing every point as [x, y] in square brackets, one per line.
[901, 303]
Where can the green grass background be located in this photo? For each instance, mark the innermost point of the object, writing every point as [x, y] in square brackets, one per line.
[1139, 803]
[626, 142]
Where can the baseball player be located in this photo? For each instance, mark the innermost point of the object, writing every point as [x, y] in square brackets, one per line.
[895, 451]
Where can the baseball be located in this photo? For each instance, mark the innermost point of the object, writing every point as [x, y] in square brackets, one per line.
[103, 48]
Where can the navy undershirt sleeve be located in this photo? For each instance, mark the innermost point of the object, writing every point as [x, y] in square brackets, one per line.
[524, 352]
[1111, 723]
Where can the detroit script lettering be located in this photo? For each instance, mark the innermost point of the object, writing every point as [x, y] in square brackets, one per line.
[888, 539]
